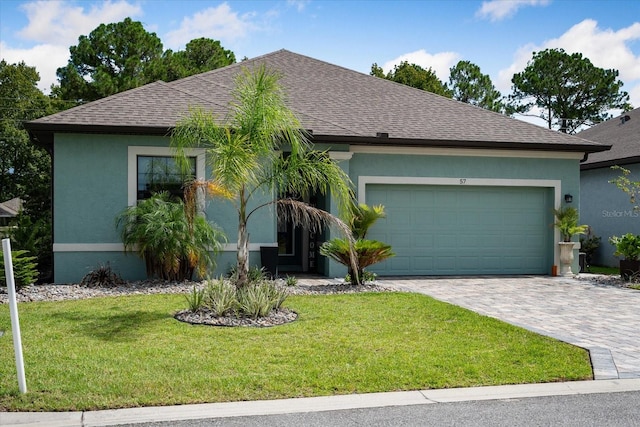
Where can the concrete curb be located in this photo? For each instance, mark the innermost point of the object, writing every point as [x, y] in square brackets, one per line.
[310, 404]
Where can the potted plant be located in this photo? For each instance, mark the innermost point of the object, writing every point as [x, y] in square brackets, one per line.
[627, 246]
[567, 224]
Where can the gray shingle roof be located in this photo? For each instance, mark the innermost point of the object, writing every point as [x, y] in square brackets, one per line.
[10, 208]
[622, 133]
[335, 103]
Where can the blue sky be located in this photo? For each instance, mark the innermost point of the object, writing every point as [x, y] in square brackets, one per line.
[499, 35]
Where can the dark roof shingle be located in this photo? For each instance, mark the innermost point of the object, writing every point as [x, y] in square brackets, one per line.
[622, 133]
[332, 101]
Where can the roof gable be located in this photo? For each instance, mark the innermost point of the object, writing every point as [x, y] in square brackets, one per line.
[622, 133]
[333, 102]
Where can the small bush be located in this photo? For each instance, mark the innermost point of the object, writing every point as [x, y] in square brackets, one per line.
[102, 276]
[25, 269]
[367, 277]
[259, 299]
[195, 299]
[220, 297]
[291, 281]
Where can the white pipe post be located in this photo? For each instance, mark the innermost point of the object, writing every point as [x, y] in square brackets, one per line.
[13, 308]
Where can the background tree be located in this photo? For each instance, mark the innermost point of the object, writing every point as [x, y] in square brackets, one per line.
[200, 55]
[245, 154]
[569, 90]
[113, 58]
[415, 76]
[25, 169]
[469, 85]
[120, 56]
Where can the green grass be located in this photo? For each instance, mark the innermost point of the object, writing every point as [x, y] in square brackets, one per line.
[129, 351]
[610, 271]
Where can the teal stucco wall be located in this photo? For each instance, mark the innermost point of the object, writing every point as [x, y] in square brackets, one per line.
[91, 189]
[608, 210]
[564, 170]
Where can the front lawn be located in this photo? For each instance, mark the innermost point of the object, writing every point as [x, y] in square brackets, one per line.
[129, 351]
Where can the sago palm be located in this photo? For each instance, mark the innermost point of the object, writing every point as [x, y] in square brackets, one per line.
[245, 153]
[360, 218]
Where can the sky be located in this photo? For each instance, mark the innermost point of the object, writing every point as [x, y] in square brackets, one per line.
[499, 36]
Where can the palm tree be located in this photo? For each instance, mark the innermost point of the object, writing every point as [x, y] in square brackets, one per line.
[246, 155]
[171, 244]
[362, 252]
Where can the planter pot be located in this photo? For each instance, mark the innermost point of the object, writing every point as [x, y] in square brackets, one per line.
[629, 268]
[566, 258]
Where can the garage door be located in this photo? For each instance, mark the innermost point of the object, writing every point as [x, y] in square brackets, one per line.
[452, 230]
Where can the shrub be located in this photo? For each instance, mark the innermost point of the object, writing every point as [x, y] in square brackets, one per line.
[367, 276]
[195, 299]
[256, 274]
[172, 243]
[25, 269]
[589, 245]
[291, 280]
[366, 252]
[627, 246]
[220, 297]
[102, 276]
[259, 299]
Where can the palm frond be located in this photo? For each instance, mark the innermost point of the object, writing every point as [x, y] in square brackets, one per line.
[304, 215]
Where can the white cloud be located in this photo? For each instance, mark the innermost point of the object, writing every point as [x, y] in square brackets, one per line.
[54, 26]
[605, 48]
[219, 23]
[45, 57]
[298, 4]
[439, 62]
[60, 22]
[497, 10]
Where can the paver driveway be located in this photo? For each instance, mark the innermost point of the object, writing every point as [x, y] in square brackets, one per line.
[603, 319]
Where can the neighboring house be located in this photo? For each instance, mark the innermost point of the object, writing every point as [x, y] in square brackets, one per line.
[466, 191]
[603, 206]
[9, 209]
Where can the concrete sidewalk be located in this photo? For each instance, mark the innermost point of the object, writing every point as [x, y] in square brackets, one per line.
[311, 404]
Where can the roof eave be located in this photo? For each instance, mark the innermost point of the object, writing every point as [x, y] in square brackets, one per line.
[406, 142]
[42, 133]
[609, 163]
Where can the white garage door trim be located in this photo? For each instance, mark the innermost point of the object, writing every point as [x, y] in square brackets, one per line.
[556, 185]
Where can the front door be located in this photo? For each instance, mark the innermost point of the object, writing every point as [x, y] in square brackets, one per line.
[297, 247]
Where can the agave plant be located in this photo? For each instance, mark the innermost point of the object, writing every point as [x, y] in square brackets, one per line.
[172, 245]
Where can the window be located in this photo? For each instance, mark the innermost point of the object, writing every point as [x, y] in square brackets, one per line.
[161, 173]
[143, 159]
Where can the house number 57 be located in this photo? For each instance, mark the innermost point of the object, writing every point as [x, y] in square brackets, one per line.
[463, 180]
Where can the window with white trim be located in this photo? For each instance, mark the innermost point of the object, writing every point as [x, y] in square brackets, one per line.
[151, 169]
[161, 174]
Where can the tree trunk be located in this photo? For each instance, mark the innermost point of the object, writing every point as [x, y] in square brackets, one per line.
[243, 254]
